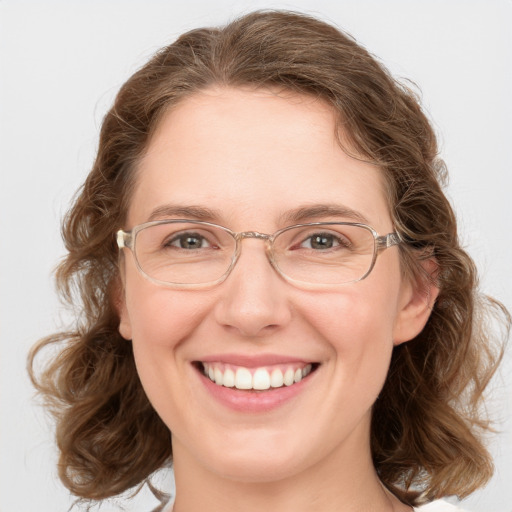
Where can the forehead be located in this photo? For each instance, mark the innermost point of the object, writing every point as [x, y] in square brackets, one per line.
[252, 155]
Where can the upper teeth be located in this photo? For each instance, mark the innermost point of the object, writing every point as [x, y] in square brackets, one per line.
[255, 378]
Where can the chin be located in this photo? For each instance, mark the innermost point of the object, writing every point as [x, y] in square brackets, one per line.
[257, 469]
[252, 457]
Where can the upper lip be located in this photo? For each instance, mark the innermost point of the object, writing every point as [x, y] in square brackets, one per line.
[253, 361]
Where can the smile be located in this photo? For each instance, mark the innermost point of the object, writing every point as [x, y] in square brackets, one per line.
[259, 379]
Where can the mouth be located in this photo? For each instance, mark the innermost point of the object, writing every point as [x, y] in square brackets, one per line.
[262, 378]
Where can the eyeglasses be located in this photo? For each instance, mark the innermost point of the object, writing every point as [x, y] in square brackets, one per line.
[196, 254]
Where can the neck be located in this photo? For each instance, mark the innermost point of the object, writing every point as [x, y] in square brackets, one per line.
[341, 482]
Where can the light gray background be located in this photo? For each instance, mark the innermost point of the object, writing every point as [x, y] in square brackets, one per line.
[60, 66]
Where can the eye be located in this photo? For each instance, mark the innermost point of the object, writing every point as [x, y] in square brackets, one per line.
[324, 241]
[188, 241]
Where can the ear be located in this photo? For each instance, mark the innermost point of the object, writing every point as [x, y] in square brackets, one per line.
[125, 326]
[417, 299]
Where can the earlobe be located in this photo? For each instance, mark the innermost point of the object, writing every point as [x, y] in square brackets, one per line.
[418, 297]
[125, 328]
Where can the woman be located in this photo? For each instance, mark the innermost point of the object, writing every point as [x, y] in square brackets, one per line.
[270, 271]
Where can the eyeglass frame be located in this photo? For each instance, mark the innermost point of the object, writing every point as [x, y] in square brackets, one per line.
[126, 239]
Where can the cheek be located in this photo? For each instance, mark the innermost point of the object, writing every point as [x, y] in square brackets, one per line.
[354, 318]
[160, 317]
[162, 321]
[357, 324]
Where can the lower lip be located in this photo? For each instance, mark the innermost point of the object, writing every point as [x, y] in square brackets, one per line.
[253, 401]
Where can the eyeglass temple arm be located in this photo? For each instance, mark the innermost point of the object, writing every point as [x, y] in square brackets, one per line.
[389, 240]
[124, 239]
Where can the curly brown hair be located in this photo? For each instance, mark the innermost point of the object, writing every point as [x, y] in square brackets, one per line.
[427, 424]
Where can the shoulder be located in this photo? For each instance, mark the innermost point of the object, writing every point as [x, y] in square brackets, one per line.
[438, 506]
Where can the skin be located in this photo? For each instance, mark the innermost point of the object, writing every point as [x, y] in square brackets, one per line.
[252, 156]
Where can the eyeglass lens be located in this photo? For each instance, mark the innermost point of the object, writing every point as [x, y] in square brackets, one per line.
[193, 253]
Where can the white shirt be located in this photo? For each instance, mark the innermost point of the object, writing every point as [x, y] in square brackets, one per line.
[438, 506]
[435, 506]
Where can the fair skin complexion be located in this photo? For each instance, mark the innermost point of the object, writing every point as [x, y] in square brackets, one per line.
[251, 158]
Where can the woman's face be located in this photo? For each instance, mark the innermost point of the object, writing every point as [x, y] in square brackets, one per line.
[251, 160]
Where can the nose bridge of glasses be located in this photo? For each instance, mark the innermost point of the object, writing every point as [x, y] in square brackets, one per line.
[268, 239]
[257, 235]
[253, 234]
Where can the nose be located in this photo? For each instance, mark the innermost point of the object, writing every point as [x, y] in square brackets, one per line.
[253, 299]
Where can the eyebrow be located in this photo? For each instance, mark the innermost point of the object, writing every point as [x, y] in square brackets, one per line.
[295, 216]
[320, 211]
[186, 212]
